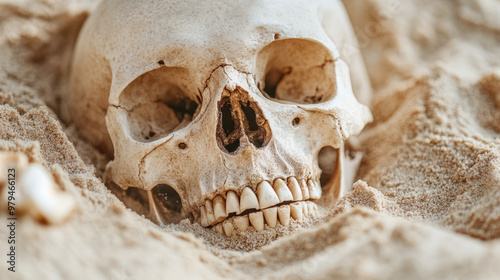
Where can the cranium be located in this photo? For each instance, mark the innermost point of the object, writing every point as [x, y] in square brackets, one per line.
[217, 110]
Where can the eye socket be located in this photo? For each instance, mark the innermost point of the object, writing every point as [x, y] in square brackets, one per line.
[158, 103]
[296, 70]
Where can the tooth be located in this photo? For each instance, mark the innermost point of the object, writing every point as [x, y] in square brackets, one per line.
[241, 222]
[257, 220]
[314, 191]
[294, 187]
[248, 200]
[232, 203]
[196, 216]
[203, 219]
[310, 209]
[228, 228]
[296, 211]
[210, 212]
[304, 189]
[305, 210]
[282, 190]
[218, 228]
[219, 208]
[266, 194]
[284, 214]
[271, 216]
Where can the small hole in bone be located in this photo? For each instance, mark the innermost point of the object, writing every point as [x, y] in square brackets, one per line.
[327, 159]
[152, 134]
[182, 146]
[161, 62]
[277, 36]
[296, 121]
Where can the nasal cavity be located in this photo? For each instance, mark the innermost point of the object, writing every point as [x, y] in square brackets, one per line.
[240, 117]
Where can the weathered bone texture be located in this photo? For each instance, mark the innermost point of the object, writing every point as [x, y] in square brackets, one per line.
[200, 99]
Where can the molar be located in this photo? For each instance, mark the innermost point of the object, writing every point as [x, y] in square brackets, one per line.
[314, 190]
[210, 212]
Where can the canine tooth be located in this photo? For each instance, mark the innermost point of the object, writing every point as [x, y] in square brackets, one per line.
[219, 208]
[267, 196]
[284, 214]
[282, 190]
[257, 220]
[310, 208]
[296, 211]
[294, 187]
[228, 228]
[210, 212]
[241, 222]
[203, 217]
[304, 189]
[271, 216]
[305, 210]
[218, 228]
[248, 200]
[232, 203]
[313, 190]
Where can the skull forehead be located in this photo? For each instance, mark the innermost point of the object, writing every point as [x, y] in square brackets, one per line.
[200, 35]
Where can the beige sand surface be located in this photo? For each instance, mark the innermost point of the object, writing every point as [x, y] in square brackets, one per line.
[427, 205]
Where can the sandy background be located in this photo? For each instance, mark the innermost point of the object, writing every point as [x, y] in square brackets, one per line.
[428, 205]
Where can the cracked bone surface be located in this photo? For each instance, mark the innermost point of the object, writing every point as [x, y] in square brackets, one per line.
[219, 118]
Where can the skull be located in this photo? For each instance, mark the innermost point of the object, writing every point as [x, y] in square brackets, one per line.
[217, 111]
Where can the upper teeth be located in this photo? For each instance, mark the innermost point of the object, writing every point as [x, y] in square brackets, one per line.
[215, 212]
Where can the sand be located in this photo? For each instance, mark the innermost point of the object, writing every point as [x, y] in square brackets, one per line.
[426, 206]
